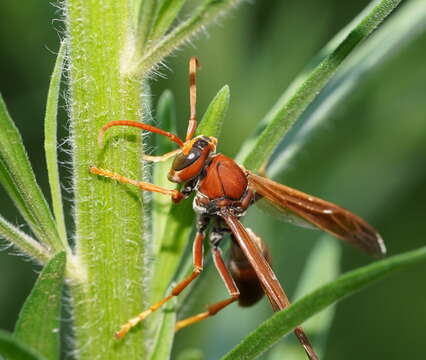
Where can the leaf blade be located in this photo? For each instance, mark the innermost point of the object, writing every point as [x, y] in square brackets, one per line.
[296, 99]
[50, 142]
[17, 177]
[38, 323]
[395, 34]
[164, 337]
[167, 13]
[213, 118]
[322, 266]
[286, 320]
[23, 241]
[14, 349]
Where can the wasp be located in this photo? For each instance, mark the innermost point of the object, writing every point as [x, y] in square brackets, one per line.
[224, 190]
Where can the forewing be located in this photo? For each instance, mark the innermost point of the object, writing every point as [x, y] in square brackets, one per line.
[267, 278]
[302, 209]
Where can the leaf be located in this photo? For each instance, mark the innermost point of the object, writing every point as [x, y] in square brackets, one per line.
[22, 241]
[145, 19]
[213, 118]
[13, 349]
[50, 143]
[191, 354]
[17, 177]
[167, 13]
[38, 324]
[205, 13]
[166, 119]
[175, 239]
[164, 337]
[402, 28]
[283, 322]
[322, 266]
[296, 99]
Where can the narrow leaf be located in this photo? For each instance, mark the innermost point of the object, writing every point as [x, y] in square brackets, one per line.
[402, 28]
[208, 11]
[167, 13]
[191, 354]
[283, 322]
[13, 349]
[294, 101]
[146, 16]
[166, 119]
[17, 177]
[322, 267]
[23, 242]
[212, 121]
[173, 244]
[164, 337]
[50, 143]
[38, 323]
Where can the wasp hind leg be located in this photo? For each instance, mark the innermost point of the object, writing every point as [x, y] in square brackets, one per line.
[215, 308]
[197, 254]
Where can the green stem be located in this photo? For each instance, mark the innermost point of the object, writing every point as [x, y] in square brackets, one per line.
[109, 216]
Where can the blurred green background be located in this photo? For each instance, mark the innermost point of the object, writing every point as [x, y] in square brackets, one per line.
[369, 156]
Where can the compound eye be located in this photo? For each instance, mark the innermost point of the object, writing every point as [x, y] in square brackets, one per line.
[182, 161]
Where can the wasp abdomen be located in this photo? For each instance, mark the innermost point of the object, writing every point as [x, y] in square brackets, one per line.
[243, 273]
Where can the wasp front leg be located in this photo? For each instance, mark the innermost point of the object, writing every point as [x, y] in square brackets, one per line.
[176, 195]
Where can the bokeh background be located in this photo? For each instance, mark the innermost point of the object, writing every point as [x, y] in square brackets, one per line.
[370, 156]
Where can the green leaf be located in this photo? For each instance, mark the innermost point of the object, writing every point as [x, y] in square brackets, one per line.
[212, 120]
[300, 94]
[145, 20]
[402, 28]
[166, 119]
[13, 349]
[167, 13]
[205, 13]
[22, 241]
[17, 177]
[173, 244]
[322, 267]
[164, 337]
[283, 322]
[38, 324]
[191, 354]
[50, 143]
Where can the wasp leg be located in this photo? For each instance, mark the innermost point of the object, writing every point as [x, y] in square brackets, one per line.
[198, 267]
[175, 194]
[215, 308]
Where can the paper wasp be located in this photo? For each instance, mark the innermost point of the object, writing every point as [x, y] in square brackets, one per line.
[224, 190]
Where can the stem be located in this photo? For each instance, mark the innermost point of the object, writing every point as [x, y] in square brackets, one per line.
[109, 216]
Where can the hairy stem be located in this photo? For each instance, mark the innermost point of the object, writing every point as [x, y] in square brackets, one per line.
[109, 216]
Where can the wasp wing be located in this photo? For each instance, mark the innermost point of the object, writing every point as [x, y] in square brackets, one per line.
[307, 210]
[267, 278]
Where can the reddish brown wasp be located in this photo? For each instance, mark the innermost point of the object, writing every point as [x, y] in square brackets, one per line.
[223, 192]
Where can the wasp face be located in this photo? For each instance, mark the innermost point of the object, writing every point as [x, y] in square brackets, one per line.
[189, 163]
